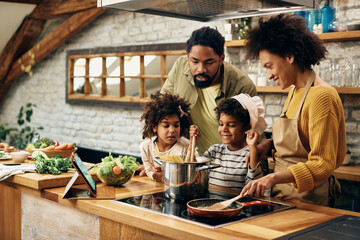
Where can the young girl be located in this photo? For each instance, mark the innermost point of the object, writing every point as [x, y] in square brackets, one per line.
[239, 117]
[166, 121]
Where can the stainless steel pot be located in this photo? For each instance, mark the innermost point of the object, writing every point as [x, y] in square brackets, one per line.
[186, 180]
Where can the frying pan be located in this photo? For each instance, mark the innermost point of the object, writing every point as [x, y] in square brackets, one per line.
[195, 207]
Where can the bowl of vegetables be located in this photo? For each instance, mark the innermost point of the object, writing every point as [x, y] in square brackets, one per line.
[116, 171]
[52, 148]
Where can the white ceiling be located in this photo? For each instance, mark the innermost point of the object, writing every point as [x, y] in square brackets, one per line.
[11, 16]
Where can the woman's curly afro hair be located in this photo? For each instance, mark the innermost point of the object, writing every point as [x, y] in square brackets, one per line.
[160, 106]
[286, 35]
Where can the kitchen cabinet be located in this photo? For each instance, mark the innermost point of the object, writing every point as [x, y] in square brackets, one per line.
[326, 37]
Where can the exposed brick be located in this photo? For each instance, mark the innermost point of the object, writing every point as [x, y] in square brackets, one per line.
[355, 114]
[119, 129]
[272, 99]
[350, 127]
[273, 110]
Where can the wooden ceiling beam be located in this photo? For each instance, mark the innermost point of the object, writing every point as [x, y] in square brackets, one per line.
[21, 41]
[48, 44]
[23, 1]
[49, 9]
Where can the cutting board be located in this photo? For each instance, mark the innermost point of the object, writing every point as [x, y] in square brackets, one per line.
[42, 181]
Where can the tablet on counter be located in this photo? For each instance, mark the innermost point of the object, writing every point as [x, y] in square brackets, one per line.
[84, 173]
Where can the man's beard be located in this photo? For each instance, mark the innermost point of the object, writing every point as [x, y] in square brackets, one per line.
[207, 82]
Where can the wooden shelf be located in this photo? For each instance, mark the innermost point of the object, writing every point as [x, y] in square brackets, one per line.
[326, 37]
[275, 89]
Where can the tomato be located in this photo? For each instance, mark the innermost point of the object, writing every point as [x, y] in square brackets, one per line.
[56, 143]
[116, 170]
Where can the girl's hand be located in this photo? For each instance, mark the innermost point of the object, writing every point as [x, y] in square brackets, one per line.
[141, 171]
[157, 174]
[157, 177]
[252, 137]
[195, 131]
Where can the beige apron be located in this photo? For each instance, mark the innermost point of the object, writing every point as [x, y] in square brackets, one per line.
[289, 151]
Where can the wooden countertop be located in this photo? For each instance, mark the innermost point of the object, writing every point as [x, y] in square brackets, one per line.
[110, 212]
[348, 172]
[265, 227]
[41, 181]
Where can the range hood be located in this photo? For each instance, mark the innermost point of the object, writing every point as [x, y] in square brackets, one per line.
[208, 10]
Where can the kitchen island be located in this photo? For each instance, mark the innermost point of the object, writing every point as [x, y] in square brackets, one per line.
[120, 221]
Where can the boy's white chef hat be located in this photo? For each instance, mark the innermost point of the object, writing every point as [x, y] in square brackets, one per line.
[256, 109]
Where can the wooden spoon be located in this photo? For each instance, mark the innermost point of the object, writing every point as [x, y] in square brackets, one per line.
[192, 154]
[224, 204]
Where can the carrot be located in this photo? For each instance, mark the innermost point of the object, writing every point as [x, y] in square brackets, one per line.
[51, 147]
[69, 146]
[116, 170]
[61, 147]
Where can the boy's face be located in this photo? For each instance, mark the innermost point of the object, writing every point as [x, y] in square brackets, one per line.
[168, 131]
[231, 132]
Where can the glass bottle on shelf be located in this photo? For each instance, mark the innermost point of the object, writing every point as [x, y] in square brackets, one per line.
[326, 16]
[337, 24]
[355, 75]
[236, 29]
[252, 71]
[312, 20]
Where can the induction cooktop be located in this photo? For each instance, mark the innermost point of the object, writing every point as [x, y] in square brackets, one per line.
[160, 203]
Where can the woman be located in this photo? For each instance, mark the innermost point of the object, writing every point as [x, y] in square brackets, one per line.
[309, 139]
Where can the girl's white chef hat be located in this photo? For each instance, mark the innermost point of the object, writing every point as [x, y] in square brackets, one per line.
[256, 109]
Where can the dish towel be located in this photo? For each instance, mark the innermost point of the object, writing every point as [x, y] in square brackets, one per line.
[9, 170]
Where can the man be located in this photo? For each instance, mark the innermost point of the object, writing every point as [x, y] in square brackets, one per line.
[203, 78]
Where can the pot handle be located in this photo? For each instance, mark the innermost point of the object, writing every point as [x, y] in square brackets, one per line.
[256, 203]
[206, 167]
[158, 161]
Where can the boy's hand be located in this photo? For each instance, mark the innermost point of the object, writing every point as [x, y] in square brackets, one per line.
[252, 137]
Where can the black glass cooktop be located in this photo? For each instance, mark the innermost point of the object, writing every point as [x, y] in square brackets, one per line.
[161, 204]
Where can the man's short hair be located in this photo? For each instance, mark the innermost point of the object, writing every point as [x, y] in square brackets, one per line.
[206, 36]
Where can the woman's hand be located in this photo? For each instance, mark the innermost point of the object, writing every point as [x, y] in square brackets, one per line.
[195, 131]
[258, 187]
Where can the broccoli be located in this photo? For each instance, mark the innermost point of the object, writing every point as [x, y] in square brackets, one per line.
[43, 143]
[54, 165]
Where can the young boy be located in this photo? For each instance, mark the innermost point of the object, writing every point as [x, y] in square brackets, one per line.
[241, 121]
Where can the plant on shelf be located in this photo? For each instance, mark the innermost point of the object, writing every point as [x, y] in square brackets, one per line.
[24, 134]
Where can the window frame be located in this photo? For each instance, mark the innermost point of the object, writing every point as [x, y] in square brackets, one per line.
[162, 50]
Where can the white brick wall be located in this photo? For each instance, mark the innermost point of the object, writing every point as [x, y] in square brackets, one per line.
[118, 129]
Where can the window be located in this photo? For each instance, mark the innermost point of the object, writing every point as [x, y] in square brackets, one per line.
[121, 74]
